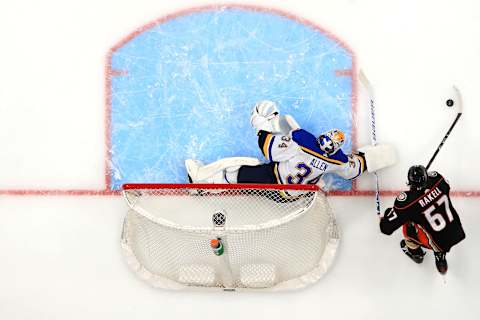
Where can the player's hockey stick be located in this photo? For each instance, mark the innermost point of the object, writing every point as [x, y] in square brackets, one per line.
[373, 134]
[457, 100]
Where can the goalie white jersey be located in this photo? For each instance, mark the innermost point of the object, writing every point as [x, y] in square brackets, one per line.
[296, 157]
[299, 160]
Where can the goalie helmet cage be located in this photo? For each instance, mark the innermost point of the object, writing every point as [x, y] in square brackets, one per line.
[267, 237]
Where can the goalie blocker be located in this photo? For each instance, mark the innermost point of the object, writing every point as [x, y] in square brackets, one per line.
[378, 157]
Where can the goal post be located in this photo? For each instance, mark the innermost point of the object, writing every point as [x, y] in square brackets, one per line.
[231, 237]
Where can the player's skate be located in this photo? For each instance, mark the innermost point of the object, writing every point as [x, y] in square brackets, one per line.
[441, 262]
[416, 255]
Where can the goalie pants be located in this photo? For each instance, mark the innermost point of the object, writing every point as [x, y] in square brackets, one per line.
[415, 233]
[263, 173]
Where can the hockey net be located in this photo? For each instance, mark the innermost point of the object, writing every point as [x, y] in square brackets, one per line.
[272, 237]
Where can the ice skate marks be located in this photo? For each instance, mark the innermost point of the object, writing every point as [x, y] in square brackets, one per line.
[184, 88]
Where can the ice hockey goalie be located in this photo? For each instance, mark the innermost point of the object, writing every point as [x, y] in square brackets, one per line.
[294, 155]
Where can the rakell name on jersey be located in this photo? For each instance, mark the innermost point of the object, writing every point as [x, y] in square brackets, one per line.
[430, 197]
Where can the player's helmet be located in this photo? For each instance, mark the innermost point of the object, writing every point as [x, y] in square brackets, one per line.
[331, 141]
[417, 177]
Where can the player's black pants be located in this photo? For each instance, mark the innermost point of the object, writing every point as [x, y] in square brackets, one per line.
[263, 173]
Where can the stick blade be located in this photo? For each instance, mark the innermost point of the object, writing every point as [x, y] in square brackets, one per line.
[364, 81]
[456, 96]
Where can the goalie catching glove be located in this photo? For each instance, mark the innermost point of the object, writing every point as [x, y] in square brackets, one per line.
[264, 116]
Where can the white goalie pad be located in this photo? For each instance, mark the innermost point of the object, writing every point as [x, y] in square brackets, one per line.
[379, 156]
[207, 173]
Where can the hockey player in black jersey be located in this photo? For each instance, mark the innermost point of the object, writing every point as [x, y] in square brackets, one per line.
[427, 215]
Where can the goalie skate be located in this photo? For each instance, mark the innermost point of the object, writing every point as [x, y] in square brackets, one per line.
[192, 167]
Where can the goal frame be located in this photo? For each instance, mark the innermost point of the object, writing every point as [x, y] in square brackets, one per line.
[155, 280]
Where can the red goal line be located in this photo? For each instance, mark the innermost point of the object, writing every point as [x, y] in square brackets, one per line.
[106, 192]
[394, 193]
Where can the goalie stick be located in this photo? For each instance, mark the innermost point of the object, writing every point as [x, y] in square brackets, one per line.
[373, 134]
[458, 101]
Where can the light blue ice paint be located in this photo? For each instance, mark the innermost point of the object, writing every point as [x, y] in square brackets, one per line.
[192, 81]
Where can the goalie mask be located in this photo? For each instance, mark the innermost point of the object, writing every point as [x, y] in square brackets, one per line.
[417, 177]
[331, 141]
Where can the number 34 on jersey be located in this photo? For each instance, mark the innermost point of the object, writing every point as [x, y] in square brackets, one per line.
[301, 161]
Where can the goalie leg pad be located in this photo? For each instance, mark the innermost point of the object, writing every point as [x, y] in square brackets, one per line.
[231, 174]
[379, 156]
[215, 172]
[192, 167]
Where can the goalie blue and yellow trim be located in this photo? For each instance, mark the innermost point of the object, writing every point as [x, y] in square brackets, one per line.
[324, 158]
[363, 167]
[277, 174]
[267, 146]
[308, 143]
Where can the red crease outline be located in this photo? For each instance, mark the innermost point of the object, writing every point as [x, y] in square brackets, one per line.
[110, 72]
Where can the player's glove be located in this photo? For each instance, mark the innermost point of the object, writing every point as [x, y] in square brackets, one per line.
[264, 115]
[386, 213]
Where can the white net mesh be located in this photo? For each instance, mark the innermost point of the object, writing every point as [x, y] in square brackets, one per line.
[272, 238]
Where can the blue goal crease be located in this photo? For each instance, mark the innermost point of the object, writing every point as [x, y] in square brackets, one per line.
[192, 81]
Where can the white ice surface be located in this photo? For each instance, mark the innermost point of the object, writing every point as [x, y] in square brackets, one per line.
[61, 260]
[60, 255]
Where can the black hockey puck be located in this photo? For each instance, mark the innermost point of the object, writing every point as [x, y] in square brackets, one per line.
[449, 102]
